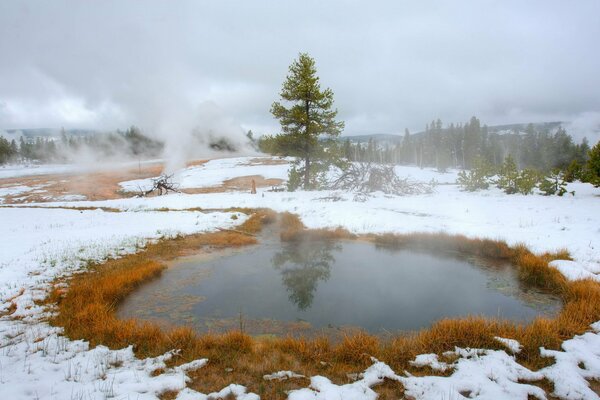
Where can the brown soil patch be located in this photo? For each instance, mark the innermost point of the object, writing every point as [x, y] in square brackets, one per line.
[101, 185]
[104, 185]
[595, 386]
[240, 183]
[98, 185]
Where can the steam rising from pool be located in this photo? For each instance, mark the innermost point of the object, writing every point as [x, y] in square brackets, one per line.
[308, 288]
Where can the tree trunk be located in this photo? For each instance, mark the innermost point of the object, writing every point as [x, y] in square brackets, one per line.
[307, 172]
[307, 149]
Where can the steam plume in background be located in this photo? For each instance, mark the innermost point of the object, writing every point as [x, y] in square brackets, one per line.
[586, 125]
[198, 132]
[190, 72]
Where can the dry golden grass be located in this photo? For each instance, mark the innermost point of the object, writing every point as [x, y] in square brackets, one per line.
[87, 311]
[292, 229]
[291, 226]
[87, 308]
[256, 221]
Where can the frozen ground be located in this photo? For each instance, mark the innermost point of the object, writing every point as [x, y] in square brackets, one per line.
[214, 173]
[18, 170]
[39, 244]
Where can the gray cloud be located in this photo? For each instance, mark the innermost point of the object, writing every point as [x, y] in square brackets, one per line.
[391, 64]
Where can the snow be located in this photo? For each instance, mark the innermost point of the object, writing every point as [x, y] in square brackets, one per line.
[576, 271]
[544, 223]
[282, 376]
[21, 170]
[481, 374]
[579, 360]
[214, 173]
[40, 244]
[13, 190]
[511, 344]
[430, 360]
[237, 391]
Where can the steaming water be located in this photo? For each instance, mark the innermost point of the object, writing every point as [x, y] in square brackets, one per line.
[330, 286]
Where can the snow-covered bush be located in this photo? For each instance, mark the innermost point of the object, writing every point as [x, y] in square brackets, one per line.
[368, 178]
[478, 177]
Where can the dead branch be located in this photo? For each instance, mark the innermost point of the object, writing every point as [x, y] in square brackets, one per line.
[161, 185]
[368, 178]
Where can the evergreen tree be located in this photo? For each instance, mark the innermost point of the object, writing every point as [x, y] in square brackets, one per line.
[407, 156]
[509, 174]
[593, 165]
[472, 141]
[5, 151]
[308, 117]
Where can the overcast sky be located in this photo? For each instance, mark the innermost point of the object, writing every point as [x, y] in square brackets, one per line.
[391, 64]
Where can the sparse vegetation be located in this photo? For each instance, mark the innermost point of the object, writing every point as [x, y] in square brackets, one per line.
[592, 173]
[368, 178]
[512, 181]
[477, 178]
[542, 147]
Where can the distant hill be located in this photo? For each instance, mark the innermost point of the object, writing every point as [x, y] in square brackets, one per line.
[520, 128]
[49, 132]
[497, 129]
[380, 137]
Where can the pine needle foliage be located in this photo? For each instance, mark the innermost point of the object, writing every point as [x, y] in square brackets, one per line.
[308, 123]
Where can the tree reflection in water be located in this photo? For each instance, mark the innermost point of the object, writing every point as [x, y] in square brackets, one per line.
[302, 266]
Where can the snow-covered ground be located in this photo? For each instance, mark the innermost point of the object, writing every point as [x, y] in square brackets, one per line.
[215, 172]
[13, 190]
[38, 244]
[18, 170]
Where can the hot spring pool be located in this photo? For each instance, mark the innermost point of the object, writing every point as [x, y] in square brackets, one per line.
[325, 287]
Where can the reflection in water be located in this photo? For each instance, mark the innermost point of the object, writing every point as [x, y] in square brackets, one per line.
[317, 286]
[302, 266]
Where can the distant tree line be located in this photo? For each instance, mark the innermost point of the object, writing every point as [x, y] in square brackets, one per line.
[63, 149]
[460, 145]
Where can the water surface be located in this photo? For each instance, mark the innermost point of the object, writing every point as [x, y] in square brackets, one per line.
[305, 288]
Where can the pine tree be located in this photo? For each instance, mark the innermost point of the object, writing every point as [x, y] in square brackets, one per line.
[508, 176]
[593, 165]
[309, 116]
[4, 150]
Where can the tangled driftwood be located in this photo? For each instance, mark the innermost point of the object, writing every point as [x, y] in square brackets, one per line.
[368, 178]
[161, 185]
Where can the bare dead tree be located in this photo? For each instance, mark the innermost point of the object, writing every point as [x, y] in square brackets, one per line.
[368, 178]
[160, 185]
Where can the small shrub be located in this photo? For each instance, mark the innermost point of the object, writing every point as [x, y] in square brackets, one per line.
[478, 178]
[513, 181]
[294, 179]
[574, 172]
[553, 184]
[507, 179]
[526, 180]
[593, 165]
